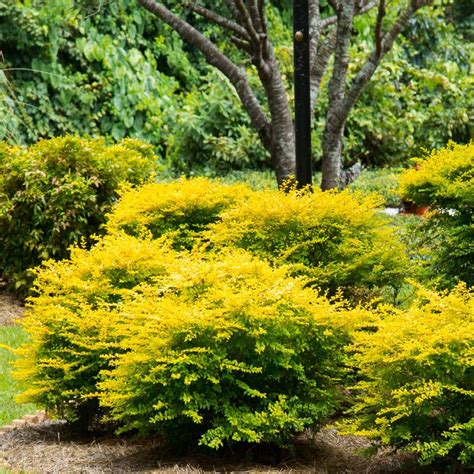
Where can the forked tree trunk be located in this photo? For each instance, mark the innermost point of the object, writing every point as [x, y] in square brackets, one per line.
[283, 131]
[246, 22]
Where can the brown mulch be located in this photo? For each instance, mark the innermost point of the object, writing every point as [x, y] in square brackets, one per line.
[10, 309]
[51, 447]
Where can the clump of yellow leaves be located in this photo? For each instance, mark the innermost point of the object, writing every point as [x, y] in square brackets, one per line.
[221, 345]
[417, 373]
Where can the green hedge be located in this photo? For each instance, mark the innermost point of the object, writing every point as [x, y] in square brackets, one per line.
[57, 192]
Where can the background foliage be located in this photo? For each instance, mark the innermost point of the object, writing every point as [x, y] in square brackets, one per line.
[108, 68]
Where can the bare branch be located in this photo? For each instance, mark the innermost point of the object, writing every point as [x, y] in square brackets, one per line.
[216, 58]
[261, 10]
[247, 20]
[372, 62]
[242, 44]
[219, 20]
[360, 10]
[255, 15]
[314, 29]
[378, 33]
[319, 65]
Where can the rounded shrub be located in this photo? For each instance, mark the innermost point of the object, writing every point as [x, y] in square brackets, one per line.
[56, 193]
[182, 209]
[219, 346]
[416, 390]
[337, 239]
[71, 318]
[444, 181]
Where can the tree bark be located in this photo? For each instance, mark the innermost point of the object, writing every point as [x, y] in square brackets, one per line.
[333, 131]
[283, 133]
[330, 35]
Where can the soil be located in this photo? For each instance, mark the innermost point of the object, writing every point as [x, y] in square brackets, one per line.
[10, 309]
[53, 447]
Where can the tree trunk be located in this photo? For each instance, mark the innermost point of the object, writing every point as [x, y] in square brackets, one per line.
[283, 130]
[332, 159]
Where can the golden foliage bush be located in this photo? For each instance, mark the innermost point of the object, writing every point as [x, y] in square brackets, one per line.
[444, 180]
[182, 209]
[337, 239]
[223, 347]
[417, 378]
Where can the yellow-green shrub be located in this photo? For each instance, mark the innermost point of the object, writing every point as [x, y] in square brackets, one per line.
[417, 378]
[220, 346]
[336, 239]
[445, 181]
[233, 350]
[57, 192]
[180, 209]
[72, 318]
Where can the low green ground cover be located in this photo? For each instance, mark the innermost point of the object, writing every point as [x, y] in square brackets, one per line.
[11, 336]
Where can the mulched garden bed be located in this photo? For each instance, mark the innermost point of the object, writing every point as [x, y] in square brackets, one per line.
[52, 447]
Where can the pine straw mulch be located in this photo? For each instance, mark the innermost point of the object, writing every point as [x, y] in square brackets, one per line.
[10, 309]
[51, 447]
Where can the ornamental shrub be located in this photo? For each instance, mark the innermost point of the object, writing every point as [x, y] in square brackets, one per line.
[337, 239]
[57, 192]
[71, 318]
[416, 390]
[227, 350]
[220, 346]
[444, 181]
[182, 209]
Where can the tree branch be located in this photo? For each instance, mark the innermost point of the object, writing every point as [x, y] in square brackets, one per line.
[360, 10]
[314, 29]
[369, 67]
[255, 15]
[216, 58]
[219, 20]
[246, 19]
[261, 10]
[319, 65]
[378, 33]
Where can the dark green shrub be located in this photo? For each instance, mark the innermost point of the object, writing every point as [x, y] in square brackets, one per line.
[57, 192]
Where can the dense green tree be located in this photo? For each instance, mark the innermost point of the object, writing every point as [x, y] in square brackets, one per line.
[108, 68]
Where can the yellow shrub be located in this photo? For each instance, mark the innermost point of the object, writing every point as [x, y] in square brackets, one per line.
[336, 239]
[180, 209]
[70, 321]
[416, 388]
[444, 179]
[220, 346]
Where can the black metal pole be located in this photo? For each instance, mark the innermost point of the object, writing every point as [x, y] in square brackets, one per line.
[302, 92]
